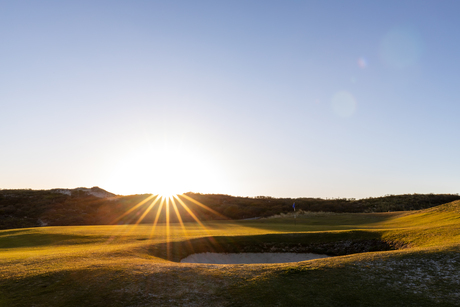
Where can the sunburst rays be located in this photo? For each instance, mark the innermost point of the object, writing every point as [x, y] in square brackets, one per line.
[158, 209]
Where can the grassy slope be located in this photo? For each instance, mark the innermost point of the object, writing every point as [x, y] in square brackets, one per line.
[114, 265]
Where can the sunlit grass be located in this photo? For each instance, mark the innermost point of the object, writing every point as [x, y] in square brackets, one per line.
[88, 265]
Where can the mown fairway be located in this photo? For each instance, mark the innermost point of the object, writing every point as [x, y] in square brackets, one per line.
[128, 266]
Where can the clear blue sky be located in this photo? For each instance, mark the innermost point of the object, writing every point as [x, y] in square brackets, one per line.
[279, 98]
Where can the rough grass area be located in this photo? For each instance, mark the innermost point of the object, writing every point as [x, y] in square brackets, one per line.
[126, 266]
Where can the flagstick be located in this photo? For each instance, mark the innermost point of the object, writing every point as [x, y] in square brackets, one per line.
[295, 215]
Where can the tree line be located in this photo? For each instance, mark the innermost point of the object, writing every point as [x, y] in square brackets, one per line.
[31, 208]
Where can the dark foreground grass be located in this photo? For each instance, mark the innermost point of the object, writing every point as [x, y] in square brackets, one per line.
[411, 279]
[124, 266]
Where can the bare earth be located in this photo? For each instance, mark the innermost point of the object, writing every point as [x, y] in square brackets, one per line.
[249, 258]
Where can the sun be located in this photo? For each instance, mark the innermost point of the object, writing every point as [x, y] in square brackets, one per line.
[167, 171]
[167, 192]
[165, 210]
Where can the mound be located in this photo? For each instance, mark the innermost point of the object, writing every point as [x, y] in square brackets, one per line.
[445, 214]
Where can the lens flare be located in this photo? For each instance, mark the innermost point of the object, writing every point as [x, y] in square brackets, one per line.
[401, 47]
[343, 104]
[168, 213]
[362, 62]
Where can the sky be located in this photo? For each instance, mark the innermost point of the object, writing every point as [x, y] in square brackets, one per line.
[296, 98]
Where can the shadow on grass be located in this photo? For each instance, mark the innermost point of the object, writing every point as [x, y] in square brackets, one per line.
[323, 221]
[28, 238]
[323, 286]
[115, 286]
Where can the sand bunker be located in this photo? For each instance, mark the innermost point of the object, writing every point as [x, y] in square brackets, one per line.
[248, 258]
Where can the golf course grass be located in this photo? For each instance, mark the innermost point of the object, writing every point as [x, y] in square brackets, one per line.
[382, 259]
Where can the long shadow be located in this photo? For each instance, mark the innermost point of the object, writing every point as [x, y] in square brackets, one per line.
[329, 243]
[322, 222]
[22, 238]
